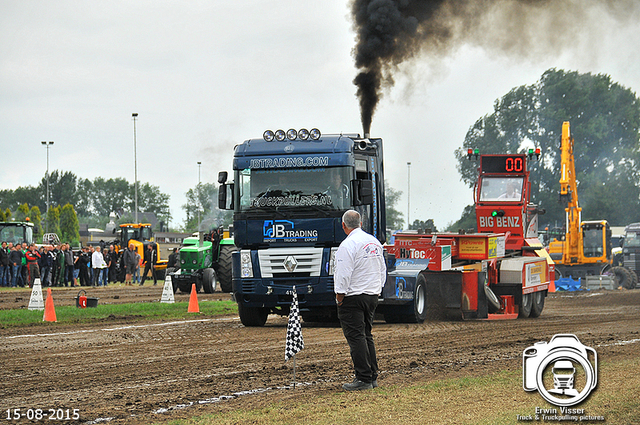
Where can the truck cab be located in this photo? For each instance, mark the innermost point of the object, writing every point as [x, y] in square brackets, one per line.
[288, 194]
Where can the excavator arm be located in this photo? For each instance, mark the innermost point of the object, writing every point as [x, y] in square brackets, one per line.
[569, 196]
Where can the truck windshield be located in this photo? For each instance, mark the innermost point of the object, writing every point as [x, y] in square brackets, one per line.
[501, 189]
[299, 188]
[631, 239]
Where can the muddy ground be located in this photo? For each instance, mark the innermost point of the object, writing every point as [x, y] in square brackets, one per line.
[157, 371]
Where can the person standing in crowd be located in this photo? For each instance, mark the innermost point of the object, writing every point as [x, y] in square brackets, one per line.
[4, 264]
[113, 264]
[106, 254]
[47, 265]
[60, 258]
[32, 256]
[136, 272]
[15, 258]
[83, 261]
[151, 258]
[97, 263]
[129, 260]
[24, 270]
[69, 266]
[360, 273]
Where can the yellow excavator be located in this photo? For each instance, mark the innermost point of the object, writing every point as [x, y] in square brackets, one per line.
[140, 235]
[585, 248]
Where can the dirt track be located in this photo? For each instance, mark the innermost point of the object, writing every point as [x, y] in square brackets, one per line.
[153, 371]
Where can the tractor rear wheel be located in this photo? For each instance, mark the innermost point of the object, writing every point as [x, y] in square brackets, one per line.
[224, 267]
[623, 277]
[634, 278]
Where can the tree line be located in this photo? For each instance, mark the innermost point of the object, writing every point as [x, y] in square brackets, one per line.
[605, 124]
[73, 200]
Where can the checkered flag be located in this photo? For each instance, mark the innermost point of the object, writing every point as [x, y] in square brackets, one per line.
[295, 342]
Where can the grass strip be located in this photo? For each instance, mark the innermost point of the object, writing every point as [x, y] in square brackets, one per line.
[497, 398]
[131, 311]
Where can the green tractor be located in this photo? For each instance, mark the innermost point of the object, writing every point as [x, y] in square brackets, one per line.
[204, 260]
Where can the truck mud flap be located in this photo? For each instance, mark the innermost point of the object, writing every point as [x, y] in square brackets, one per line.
[444, 294]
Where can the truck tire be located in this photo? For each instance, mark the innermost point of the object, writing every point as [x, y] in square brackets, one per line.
[252, 316]
[538, 303]
[224, 267]
[209, 280]
[623, 277]
[420, 300]
[526, 306]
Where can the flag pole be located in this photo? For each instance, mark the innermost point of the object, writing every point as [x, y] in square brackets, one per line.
[294, 371]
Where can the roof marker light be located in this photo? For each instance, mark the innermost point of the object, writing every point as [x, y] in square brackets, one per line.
[314, 133]
[268, 136]
[280, 135]
[292, 134]
[303, 134]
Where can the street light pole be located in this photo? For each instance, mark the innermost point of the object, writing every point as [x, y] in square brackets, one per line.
[408, 194]
[47, 145]
[198, 194]
[135, 165]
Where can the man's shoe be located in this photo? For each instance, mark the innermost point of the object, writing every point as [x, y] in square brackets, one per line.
[357, 385]
[374, 383]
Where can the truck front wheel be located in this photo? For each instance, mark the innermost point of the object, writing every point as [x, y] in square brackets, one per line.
[252, 316]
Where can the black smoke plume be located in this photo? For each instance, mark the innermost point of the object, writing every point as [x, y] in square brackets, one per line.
[390, 32]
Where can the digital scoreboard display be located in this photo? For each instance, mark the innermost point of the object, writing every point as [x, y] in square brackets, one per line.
[503, 164]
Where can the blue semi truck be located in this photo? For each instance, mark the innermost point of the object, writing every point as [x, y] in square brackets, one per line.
[288, 194]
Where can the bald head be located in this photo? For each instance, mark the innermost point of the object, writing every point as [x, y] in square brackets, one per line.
[351, 219]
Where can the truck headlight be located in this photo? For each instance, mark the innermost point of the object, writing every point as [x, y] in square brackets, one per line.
[246, 266]
[332, 261]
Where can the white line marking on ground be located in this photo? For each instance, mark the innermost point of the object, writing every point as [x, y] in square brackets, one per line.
[119, 328]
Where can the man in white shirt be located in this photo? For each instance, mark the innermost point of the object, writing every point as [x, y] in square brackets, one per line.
[360, 273]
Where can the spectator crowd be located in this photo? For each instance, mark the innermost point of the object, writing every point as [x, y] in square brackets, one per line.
[60, 265]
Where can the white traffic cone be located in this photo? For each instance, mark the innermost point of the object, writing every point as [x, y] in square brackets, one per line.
[36, 302]
[167, 291]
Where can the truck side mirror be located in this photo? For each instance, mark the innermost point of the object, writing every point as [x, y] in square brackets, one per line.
[225, 196]
[362, 192]
[222, 177]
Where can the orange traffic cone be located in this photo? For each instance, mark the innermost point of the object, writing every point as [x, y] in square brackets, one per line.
[193, 300]
[49, 309]
[552, 286]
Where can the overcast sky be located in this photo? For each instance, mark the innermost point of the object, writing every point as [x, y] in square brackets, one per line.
[206, 75]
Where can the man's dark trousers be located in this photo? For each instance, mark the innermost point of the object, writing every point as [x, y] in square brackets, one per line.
[356, 317]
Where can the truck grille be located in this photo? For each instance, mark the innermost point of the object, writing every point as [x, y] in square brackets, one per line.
[301, 262]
